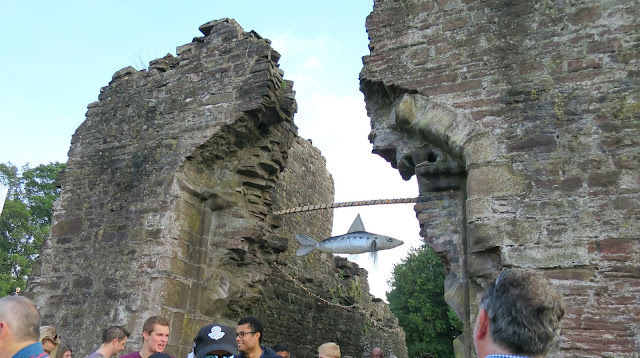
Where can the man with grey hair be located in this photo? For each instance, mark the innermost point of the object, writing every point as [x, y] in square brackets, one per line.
[520, 316]
[376, 353]
[113, 340]
[19, 329]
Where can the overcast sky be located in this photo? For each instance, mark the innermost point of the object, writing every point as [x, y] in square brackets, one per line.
[56, 55]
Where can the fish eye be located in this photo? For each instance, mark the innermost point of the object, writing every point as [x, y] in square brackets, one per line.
[389, 239]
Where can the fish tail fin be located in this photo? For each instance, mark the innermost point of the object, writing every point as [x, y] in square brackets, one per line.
[308, 244]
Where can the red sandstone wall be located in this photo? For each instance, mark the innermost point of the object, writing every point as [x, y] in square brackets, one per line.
[539, 103]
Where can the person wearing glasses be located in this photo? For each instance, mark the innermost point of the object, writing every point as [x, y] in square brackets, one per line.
[215, 341]
[520, 316]
[19, 328]
[49, 339]
[249, 339]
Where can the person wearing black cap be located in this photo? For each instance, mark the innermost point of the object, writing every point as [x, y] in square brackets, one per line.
[215, 340]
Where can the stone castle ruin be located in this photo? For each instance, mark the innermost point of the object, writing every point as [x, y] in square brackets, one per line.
[167, 205]
[521, 121]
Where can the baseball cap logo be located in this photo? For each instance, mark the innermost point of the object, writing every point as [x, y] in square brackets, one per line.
[216, 333]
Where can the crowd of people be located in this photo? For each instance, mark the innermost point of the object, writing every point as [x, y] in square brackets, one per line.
[520, 316]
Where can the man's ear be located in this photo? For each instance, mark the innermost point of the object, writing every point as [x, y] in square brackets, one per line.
[482, 325]
[4, 329]
[115, 341]
[145, 335]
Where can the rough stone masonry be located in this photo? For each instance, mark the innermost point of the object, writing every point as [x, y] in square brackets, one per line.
[166, 209]
[521, 121]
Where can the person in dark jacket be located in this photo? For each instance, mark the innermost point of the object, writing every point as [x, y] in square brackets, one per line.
[216, 340]
[249, 339]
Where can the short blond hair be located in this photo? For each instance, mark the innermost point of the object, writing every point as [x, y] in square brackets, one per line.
[329, 349]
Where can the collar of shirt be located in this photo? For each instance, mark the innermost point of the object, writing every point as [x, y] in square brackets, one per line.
[29, 351]
[505, 356]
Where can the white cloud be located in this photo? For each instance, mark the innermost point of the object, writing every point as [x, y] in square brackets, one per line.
[292, 45]
[312, 63]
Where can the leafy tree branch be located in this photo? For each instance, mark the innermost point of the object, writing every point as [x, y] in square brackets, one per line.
[25, 220]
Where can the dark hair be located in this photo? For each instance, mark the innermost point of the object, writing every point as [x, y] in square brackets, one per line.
[62, 349]
[150, 323]
[281, 347]
[255, 325]
[114, 332]
[525, 312]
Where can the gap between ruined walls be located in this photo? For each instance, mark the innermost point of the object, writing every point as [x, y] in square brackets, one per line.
[426, 139]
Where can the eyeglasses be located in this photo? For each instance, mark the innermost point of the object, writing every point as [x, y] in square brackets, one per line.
[217, 356]
[55, 339]
[500, 276]
[241, 334]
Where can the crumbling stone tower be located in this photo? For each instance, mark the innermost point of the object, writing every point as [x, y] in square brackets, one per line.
[166, 208]
[521, 121]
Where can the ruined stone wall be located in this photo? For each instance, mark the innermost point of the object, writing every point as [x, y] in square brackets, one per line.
[521, 121]
[166, 205]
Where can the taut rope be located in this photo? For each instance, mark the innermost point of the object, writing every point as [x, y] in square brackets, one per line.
[345, 204]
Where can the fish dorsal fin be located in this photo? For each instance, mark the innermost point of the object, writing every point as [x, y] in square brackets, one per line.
[357, 225]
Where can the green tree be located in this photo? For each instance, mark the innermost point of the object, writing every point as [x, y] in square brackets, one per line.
[25, 220]
[417, 300]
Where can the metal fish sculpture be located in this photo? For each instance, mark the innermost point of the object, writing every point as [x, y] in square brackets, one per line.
[355, 241]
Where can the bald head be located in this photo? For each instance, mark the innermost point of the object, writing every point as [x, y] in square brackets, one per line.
[22, 316]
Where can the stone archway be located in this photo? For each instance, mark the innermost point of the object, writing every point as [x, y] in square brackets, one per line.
[534, 106]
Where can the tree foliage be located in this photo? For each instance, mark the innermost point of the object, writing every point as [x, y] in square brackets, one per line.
[417, 300]
[25, 219]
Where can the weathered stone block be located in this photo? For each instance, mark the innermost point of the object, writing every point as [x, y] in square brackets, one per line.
[546, 256]
[170, 291]
[405, 111]
[484, 181]
[68, 227]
